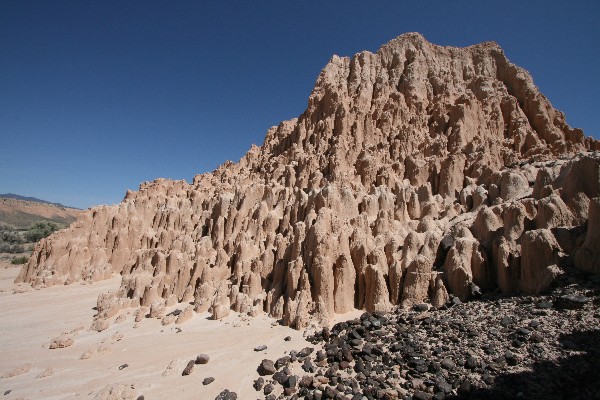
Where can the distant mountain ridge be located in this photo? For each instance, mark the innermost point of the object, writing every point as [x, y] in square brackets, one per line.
[34, 199]
[20, 212]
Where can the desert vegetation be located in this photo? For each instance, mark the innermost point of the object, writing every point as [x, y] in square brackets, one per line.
[16, 241]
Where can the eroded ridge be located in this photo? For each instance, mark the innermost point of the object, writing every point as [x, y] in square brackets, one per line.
[415, 171]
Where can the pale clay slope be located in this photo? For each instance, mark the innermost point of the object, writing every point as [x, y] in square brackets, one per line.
[415, 171]
[49, 211]
[30, 320]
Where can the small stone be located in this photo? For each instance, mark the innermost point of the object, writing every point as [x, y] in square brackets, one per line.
[533, 324]
[439, 396]
[268, 389]
[123, 366]
[292, 381]
[510, 358]
[282, 361]
[226, 395]
[465, 389]
[266, 367]
[443, 386]
[308, 366]
[258, 383]
[419, 395]
[208, 381]
[536, 338]
[455, 301]
[305, 352]
[523, 331]
[202, 359]
[188, 368]
[287, 338]
[447, 363]
[471, 363]
[280, 377]
[306, 381]
[330, 393]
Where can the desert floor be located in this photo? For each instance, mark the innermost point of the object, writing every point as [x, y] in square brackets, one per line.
[31, 319]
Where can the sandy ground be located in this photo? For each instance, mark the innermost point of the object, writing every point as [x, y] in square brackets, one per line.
[30, 320]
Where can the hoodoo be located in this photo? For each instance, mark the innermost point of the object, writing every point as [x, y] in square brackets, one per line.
[416, 172]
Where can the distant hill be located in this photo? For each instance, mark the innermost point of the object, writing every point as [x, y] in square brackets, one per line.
[20, 212]
[33, 199]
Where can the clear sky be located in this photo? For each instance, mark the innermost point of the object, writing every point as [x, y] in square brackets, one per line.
[98, 96]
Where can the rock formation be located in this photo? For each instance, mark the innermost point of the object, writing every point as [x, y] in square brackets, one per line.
[415, 171]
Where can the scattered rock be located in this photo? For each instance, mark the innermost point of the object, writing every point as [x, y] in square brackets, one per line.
[188, 368]
[268, 389]
[266, 367]
[208, 381]
[280, 377]
[259, 383]
[226, 395]
[447, 363]
[202, 359]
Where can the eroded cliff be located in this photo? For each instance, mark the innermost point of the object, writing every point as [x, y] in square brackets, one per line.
[415, 172]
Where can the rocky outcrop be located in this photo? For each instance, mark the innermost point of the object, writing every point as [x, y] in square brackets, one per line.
[587, 258]
[539, 261]
[415, 171]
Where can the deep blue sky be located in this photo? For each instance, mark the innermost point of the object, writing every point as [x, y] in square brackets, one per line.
[98, 96]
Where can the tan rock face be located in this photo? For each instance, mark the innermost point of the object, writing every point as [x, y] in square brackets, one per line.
[587, 257]
[347, 205]
[539, 259]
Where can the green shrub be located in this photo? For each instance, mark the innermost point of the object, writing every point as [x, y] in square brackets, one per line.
[40, 230]
[8, 248]
[11, 236]
[19, 260]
